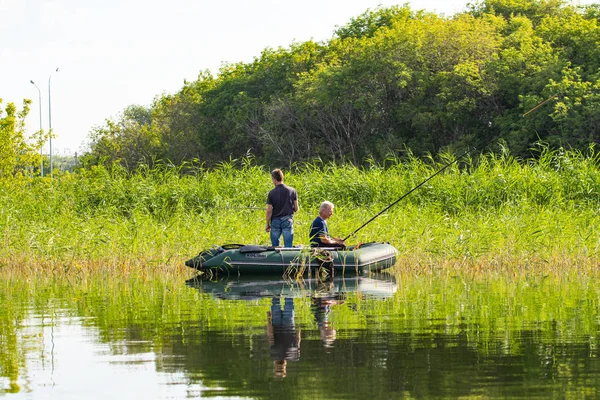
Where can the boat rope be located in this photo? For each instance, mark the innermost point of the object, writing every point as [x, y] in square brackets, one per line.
[443, 168]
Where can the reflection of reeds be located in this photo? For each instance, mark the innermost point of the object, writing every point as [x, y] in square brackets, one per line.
[493, 213]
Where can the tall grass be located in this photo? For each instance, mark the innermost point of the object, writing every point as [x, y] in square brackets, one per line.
[495, 210]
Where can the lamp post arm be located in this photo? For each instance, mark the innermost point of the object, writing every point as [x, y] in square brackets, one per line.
[50, 123]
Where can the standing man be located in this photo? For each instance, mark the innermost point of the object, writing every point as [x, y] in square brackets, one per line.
[282, 203]
[319, 232]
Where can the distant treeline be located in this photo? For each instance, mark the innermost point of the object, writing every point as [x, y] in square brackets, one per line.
[391, 80]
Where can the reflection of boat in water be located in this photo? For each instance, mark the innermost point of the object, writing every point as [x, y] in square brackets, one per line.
[283, 334]
[380, 285]
[255, 259]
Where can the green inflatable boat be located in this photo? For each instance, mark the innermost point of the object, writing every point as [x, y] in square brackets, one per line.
[256, 259]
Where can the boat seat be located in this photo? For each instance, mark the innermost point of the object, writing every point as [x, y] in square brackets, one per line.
[254, 248]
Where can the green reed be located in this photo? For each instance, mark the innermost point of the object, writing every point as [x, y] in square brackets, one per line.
[495, 210]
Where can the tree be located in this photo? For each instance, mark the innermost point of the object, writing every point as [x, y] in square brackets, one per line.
[17, 155]
[371, 21]
[389, 80]
[130, 140]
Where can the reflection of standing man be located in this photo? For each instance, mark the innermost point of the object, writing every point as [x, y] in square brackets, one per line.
[282, 203]
[283, 337]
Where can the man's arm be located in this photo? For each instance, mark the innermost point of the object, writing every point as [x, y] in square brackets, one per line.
[268, 217]
[296, 206]
[329, 240]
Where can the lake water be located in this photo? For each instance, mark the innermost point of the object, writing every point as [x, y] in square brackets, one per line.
[378, 337]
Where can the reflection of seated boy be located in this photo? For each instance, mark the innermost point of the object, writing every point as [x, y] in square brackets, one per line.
[321, 307]
[281, 330]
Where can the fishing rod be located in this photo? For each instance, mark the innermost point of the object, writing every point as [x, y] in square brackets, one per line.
[439, 171]
[241, 208]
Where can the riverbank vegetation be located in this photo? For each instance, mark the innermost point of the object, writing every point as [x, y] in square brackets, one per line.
[358, 120]
[493, 212]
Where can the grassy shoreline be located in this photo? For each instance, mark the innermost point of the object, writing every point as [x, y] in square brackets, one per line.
[495, 213]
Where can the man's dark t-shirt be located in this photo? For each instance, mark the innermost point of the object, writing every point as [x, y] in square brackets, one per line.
[282, 199]
[318, 228]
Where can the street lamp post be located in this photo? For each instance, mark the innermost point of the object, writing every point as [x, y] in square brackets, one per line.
[42, 147]
[50, 123]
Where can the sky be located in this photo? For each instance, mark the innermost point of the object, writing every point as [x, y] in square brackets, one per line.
[115, 53]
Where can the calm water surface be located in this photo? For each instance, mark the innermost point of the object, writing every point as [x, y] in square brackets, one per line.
[353, 337]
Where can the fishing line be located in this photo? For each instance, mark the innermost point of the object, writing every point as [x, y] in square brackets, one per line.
[483, 145]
